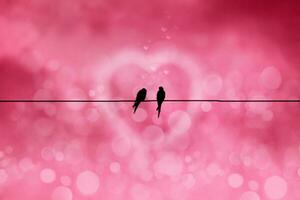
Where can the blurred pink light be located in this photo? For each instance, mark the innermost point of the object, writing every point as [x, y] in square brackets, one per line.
[110, 49]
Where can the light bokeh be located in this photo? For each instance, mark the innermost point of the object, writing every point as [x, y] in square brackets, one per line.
[196, 49]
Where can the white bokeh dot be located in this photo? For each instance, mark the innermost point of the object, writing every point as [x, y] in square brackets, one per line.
[140, 115]
[75, 93]
[44, 127]
[298, 171]
[87, 182]
[114, 167]
[213, 84]
[92, 115]
[147, 175]
[249, 195]
[267, 115]
[261, 158]
[62, 193]
[73, 153]
[8, 149]
[168, 37]
[3, 176]
[92, 93]
[253, 185]
[47, 175]
[247, 160]
[121, 146]
[206, 106]
[53, 65]
[275, 187]
[179, 121]
[235, 180]
[140, 192]
[187, 158]
[153, 134]
[5, 162]
[234, 158]
[65, 180]
[26, 164]
[47, 153]
[270, 78]
[163, 29]
[59, 156]
[213, 169]
[168, 164]
[145, 47]
[189, 180]
[50, 109]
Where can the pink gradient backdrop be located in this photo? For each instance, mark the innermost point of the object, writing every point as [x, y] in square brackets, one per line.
[51, 49]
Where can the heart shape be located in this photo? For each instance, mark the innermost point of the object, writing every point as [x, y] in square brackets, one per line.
[131, 70]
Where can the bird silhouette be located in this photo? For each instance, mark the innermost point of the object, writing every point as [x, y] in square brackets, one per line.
[160, 97]
[141, 96]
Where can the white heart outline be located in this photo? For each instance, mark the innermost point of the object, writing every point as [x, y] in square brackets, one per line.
[148, 62]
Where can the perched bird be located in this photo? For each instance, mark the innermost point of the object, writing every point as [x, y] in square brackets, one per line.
[160, 97]
[141, 96]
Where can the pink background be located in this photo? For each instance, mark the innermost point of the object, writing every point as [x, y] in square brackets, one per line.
[95, 49]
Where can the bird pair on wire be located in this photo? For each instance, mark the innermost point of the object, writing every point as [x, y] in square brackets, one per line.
[141, 96]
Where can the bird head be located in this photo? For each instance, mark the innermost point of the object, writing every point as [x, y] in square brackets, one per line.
[161, 88]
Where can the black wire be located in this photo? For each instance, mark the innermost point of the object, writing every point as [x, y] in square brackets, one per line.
[167, 100]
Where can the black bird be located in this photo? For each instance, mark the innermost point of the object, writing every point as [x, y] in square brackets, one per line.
[160, 97]
[141, 96]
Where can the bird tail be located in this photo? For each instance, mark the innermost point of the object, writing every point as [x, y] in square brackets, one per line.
[135, 106]
[158, 109]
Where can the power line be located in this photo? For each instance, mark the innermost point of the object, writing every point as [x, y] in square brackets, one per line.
[167, 100]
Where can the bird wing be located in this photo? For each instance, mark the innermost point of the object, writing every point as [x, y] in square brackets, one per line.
[141, 95]
[160, 96]
[144, 95]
